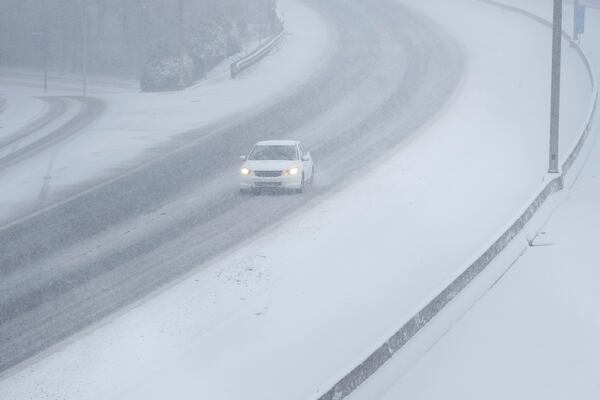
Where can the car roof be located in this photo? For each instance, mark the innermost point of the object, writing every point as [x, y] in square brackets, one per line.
[277, 143]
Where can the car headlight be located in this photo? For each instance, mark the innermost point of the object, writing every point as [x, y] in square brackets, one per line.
[292, 171]
[245, 171]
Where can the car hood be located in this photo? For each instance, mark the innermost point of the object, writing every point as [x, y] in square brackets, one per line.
[271, 165]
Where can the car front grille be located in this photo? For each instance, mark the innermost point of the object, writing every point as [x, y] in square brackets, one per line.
[267, 184]
[268, 174]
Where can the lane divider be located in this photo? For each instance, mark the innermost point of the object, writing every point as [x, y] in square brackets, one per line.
[353, 379]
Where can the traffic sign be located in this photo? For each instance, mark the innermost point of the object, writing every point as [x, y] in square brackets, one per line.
[579, 18]
[590, 3]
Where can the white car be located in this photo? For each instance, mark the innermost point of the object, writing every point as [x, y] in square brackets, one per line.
[276, 164]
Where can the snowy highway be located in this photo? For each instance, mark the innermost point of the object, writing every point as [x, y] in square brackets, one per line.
[54, 125]
[56, 107]
[70, 264]
[132, 268]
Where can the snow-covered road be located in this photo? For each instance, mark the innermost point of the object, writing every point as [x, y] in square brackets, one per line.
[65, 117]
[19, 112]
[284, 316]
[52, 108]
[389, 71]
[137, 127]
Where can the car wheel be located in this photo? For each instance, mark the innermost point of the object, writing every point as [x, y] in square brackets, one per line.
[302, 184]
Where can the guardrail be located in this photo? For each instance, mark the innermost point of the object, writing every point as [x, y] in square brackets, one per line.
[257, 55]
[349, 382]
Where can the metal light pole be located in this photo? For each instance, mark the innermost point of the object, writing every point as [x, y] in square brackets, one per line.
[45, 61]
[43, 41]
[181, 82]
[247, 12]
[84, 60]
[555, 87]
[575, 10]
[46, 43]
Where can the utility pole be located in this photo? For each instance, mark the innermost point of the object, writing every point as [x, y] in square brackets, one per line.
[555, 87]
[181, 82]
[247, 12]
[42, 39]
[575, 27]
[45, 60]
[84, 61]
[46, 43]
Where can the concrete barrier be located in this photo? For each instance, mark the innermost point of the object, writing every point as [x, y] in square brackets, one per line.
[373, 362]
[257, 55]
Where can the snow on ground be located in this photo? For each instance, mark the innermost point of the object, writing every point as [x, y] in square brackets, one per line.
[16, 111]
[288, 314]
[136, 122]
[72, 108]
[30, 82]
[535, 333]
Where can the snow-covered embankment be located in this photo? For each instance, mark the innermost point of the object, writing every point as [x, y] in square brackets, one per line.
[534, 332]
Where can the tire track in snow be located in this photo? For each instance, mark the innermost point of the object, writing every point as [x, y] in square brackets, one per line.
[75, 263]
[91, 108]
[56, 108]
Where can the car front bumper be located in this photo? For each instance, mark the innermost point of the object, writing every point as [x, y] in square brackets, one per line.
[282, 182]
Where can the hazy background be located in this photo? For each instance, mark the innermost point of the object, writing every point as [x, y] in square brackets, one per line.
[131, 38]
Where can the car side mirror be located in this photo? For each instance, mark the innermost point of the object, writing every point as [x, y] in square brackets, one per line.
[243, 158]
[306, 157]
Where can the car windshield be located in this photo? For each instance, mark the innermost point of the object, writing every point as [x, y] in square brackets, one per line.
[274, 152]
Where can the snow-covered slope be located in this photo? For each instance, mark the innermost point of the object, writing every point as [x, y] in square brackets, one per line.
[534, 333]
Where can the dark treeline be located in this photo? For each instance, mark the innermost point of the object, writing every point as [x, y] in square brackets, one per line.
[130, 38]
